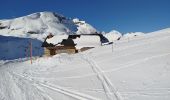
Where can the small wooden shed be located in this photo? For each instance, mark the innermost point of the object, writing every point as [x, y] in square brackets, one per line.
[59, 49]
[71, 43]
[66, 46]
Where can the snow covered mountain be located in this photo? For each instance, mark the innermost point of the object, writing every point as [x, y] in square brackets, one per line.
[38, 25]
[138, 69]
[83, 27]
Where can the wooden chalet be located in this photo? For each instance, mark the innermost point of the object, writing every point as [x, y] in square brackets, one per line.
[69, 44]
[66, 46]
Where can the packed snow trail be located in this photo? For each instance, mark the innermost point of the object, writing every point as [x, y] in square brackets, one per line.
[71, 93]
[108, 86]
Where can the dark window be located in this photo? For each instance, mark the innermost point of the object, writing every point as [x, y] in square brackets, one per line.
[68, 42]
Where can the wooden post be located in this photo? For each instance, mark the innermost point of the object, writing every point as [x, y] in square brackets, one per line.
[112, 45]
[31, 51]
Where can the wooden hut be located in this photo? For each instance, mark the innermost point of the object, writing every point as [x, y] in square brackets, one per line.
[71, 43]
[65, 46]
[59, 49]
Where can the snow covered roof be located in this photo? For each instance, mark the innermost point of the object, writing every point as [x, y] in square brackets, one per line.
[87, 41]
[82, 41]
[56, 39]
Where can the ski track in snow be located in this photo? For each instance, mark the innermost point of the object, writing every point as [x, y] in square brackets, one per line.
[121, 67]
[71, 93]
[107, 84]
[33, 85]
[152, 92]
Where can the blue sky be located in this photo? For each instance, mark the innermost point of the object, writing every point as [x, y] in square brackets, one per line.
[104, 15]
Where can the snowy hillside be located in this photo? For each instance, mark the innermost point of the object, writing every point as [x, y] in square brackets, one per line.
[38, 25]
[135, 69]
[14, 47]
[133, 34]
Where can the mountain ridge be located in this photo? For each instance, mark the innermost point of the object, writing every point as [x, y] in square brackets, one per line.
[38, 25]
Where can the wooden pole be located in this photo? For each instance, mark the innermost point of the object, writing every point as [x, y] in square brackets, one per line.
[112, 45]
[31, 51]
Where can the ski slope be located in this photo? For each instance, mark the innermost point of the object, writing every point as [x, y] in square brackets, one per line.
[131, 69]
